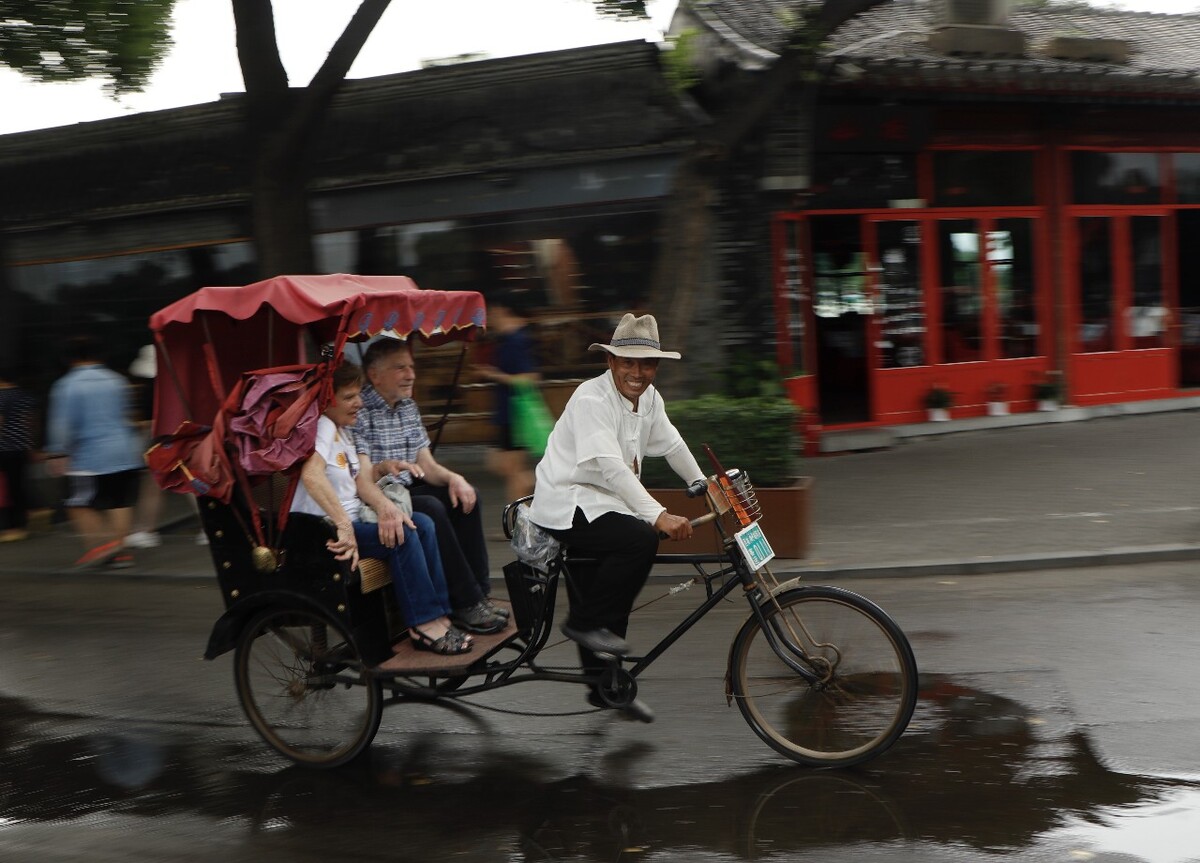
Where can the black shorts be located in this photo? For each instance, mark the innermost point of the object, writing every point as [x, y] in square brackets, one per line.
[104, 491]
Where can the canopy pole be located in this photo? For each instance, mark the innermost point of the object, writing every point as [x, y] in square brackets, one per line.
[210, 357]
[179, 390]
[441, 424]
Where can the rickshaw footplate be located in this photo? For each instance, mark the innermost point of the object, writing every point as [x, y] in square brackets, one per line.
[409, 660]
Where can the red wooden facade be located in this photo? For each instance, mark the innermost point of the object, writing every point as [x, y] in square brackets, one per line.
[1088, 282]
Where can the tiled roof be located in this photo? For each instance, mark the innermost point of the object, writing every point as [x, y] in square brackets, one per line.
[558, 108]
[1164, 50]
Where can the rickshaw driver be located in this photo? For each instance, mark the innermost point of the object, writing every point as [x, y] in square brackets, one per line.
[589, 495]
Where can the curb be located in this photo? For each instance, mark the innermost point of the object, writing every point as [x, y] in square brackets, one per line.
[1016, 563]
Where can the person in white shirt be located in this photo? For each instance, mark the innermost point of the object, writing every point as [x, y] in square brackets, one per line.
[336, 481]
[588, 493]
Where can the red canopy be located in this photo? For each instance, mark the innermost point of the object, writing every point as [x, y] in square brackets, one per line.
[208, 339]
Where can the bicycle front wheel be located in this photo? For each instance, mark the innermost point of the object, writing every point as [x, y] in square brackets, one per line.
[864, 676]
[304, 688]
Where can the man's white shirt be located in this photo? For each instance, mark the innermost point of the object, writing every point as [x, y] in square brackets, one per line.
[595, 453]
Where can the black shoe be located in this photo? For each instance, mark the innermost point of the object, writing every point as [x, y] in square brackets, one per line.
[478, 618]
[597, 640]
[636, 709]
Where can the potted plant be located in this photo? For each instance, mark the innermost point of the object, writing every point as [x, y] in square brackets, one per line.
[938, 402]
[758, 435]
[997, 399]
[1048, 392]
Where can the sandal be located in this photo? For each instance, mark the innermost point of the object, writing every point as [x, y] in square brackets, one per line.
[450, 644]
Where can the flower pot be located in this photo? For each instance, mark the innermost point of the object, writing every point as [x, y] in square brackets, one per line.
[938, 415]
[785, 519]
[997, 409]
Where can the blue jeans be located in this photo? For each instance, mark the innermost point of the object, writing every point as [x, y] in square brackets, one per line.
[416, 569]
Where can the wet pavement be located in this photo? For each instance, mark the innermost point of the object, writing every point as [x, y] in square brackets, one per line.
[1033, 740]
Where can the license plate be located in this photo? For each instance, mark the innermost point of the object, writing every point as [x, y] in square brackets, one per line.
[755, 548]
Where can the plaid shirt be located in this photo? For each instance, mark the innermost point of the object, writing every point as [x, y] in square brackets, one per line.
[387, 433]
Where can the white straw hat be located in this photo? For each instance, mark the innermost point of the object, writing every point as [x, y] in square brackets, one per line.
[636, 338]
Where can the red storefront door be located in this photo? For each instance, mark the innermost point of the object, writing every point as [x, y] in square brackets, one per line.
[1120, 324]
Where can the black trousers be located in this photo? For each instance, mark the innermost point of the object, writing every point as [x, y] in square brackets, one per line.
[460, 543]
[602, 594]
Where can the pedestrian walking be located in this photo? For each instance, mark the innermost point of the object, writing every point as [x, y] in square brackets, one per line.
[149, 503]
[514, 364]
[90, 440]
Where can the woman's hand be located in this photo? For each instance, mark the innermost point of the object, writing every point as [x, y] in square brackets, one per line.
[392, 522]
[345, 547]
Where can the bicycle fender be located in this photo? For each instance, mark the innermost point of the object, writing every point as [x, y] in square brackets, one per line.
[225, 631]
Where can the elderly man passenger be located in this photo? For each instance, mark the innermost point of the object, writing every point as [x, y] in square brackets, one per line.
[391, 430]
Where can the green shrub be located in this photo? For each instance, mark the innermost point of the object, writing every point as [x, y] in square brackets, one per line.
[758, 435]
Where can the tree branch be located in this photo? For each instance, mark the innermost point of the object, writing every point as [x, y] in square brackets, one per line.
[324, 85]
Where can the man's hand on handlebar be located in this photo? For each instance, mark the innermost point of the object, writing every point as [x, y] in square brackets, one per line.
[673, 526]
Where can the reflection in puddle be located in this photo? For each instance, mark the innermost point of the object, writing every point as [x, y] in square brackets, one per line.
[1161, 831]
[977, 775]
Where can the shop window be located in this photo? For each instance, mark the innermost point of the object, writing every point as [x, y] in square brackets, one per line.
[962, 298]
[974, 178]
[571, 272]
[1010, 254]
[1146, 318]
[845, 180]
[1187, 177]
[1095, 285]
[1115, 178]
[902, 306]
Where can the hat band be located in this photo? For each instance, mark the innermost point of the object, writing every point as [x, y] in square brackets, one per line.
[645, 343]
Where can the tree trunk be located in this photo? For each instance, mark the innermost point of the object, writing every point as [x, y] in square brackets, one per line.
[283, 125]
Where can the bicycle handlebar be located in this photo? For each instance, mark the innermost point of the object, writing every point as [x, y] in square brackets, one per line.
[696, 489]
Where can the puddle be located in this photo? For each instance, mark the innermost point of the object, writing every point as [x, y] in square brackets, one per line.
[979, 776]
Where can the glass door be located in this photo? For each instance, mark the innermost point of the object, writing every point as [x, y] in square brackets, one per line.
[901, 299]
[1189, 299]
[842, 311]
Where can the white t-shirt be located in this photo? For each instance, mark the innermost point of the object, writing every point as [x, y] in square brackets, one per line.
[336, 446]
[595, 452]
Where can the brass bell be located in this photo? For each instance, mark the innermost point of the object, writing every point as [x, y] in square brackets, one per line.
[264, 559]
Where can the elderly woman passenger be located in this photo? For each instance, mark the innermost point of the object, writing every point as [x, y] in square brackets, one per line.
[336, 482]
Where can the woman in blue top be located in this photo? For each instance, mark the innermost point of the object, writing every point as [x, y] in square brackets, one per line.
[513, 361]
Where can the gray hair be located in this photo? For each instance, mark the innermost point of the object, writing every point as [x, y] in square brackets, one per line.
[380, 349]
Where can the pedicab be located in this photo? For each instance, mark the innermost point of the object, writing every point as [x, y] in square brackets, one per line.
[822, 675]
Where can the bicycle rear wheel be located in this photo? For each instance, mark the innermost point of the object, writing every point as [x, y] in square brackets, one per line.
[866, 677]
[304, 688]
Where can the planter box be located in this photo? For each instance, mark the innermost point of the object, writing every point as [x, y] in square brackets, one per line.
[785, 519]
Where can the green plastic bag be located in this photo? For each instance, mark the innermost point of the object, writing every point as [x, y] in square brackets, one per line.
[530, 418]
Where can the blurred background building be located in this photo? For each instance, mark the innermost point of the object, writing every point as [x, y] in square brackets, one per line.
[962, 195]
